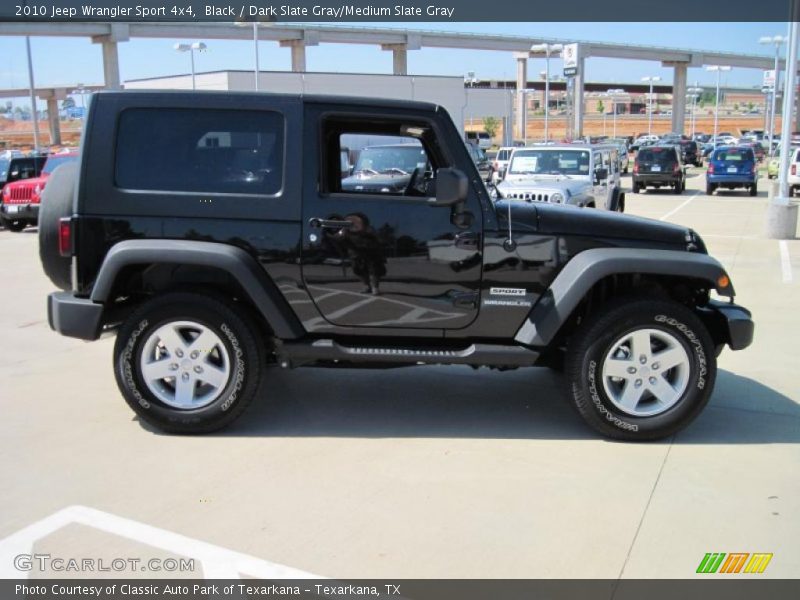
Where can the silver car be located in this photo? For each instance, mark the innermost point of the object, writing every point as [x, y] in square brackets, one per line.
[576, 174]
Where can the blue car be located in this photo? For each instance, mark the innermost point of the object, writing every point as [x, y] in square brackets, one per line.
[732, 167]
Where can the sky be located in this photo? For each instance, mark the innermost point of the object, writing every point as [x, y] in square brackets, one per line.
[70, 61]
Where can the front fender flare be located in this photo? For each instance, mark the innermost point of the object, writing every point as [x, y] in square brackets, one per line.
[240, 265]
[590, 266]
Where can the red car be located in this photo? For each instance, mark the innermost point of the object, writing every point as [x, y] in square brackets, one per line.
[20, 200]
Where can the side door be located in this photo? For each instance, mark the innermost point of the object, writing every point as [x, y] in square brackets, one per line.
[600, 184]
[375, 253]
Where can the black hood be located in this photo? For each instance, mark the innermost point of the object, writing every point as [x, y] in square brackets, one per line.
[571, 220]
[382, 182]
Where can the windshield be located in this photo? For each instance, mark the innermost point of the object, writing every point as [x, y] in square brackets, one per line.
[4, 168]
[56, 161]
[550, 162]
[389, 159]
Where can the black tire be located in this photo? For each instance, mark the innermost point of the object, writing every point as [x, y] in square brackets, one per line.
[636, 188]
[230, 324]
[56, 203]
[710, 189]
[15, 226]
[754, 190]
[588, 348]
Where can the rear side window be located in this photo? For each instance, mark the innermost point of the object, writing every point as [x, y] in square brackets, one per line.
[503, 154]
[734, 154]
[204, 151]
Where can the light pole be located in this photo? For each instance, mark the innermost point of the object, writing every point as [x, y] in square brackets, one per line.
[613, 95]
[778, 40]
[190, 48]
[719, 69]
[694, 93]
[33, 95]
[547, 49]
[650, 103]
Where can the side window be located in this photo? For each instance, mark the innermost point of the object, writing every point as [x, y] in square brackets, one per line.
[200, 150]
[393, 165]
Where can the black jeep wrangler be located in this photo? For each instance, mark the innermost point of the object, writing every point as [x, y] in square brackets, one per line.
[212, 232]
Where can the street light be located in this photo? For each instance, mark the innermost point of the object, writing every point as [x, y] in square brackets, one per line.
[650, 103]
[694, 93]
[777, 40]
[719, 69]
[190, 48]
[613, 95]
[32, 90]
[547, 49]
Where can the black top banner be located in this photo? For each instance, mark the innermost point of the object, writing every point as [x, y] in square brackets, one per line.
[354, 11]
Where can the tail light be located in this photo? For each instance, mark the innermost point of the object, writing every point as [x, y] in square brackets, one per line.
[65, 236]
[635, 167]
[794, 169]
[676, 168]
[711, 168]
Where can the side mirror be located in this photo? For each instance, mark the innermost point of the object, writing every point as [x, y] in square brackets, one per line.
[600, 174]
[451, 187]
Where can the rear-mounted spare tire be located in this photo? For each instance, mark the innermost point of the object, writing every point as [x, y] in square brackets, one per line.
[56, 203]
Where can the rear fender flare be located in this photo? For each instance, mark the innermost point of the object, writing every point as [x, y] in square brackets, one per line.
[262, 291]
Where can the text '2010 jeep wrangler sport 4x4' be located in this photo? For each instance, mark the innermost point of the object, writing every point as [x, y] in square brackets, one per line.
[213, 233]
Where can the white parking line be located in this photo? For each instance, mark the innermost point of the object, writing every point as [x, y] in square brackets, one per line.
[786, 264]
[680, 206]
[217, 562]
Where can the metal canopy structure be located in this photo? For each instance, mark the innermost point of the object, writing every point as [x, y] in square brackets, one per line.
[399, 41]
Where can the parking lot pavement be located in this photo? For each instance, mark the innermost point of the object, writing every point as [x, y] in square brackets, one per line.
[423, 472]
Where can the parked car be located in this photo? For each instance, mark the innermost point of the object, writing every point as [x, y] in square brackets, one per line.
[642, 139]
[480, 138]
[582, 175]
[731, 167]
[212, 251]
[385, 169]
[756, 147]
[21, 198]
[622, 146]
[774, 164]
[13, 169]
[659, 166]
[691, 154]
[793, 176]
[500, 163]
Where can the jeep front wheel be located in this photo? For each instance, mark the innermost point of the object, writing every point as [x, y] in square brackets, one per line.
[187, 363]
[641, 370]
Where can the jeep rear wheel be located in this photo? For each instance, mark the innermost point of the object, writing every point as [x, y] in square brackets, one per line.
[188, 363]
[641, 370]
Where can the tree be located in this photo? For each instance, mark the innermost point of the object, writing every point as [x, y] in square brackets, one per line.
[601, 107]
[736, 106]
[750, 106]
[491, 125]
[68, 102]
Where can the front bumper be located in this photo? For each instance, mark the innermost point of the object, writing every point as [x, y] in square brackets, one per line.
[74, 317]
[730, 323]
[20, 212]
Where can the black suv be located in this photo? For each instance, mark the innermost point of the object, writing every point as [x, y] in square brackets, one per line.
[691, 154]
[659, 166]
[213, 233]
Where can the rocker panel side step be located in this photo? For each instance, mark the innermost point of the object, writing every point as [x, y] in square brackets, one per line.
[295, 354]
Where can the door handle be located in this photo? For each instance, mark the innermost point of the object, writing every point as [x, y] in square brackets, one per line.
[318, 223]
[468, 240]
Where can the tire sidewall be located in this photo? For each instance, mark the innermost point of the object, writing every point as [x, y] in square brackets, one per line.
[588, 382]
[241, 353]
